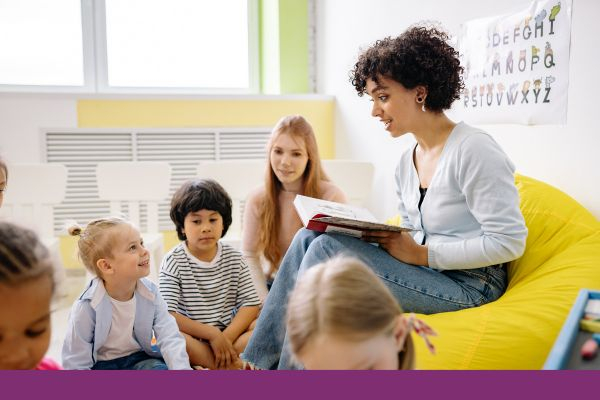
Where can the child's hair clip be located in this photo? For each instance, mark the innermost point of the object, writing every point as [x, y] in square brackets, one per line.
[423, 330]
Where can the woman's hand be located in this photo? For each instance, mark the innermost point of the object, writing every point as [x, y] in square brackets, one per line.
[399, 245]
[223, 350]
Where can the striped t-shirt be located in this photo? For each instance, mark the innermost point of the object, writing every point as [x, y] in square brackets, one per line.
[208, 292]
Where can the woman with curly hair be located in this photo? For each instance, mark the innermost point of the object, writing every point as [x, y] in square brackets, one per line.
[455, 189]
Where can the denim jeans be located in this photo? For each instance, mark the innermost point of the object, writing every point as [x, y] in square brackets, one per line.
[417, 289]
[139, 360]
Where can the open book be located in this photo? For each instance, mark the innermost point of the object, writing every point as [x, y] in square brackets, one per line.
[329, 216]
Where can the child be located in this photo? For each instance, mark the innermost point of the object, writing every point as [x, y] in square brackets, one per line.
[270, 219]
[26, 288]
[341, 316]
[112, 324]
[206, 283]
[3, 179]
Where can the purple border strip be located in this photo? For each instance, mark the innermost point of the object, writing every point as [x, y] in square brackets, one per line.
[290, 385]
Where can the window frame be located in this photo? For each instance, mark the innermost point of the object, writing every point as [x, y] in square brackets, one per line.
[95, 61]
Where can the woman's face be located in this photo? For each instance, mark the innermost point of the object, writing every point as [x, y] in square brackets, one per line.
[288, 159]
[394, 105]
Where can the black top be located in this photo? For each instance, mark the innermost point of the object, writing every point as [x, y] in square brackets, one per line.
[423, 192]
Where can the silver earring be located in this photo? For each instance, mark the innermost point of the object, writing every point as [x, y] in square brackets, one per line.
[423, 107]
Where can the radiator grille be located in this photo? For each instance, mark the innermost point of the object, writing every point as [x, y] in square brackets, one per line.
[80, 150]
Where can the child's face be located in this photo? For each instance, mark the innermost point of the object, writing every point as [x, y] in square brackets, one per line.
[203, 229]
[24, 323]
[288, 160]
[2, 184]
[129, 259]
[327, 352]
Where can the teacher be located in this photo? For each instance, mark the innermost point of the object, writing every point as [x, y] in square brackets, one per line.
[455, 190]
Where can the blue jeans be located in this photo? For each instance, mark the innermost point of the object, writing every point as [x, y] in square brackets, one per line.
[417, 289]
[139, 360]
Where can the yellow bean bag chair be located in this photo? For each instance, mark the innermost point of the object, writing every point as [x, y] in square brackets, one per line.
[518, 330]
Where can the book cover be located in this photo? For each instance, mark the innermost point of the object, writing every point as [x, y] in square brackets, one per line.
[328, 216]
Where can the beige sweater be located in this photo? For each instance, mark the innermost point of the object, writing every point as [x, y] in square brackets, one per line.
[290, 223]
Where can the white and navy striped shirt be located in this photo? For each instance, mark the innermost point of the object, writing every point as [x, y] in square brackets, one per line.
[208, 292]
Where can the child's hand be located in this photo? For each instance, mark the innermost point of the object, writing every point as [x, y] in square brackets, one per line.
[223, 350]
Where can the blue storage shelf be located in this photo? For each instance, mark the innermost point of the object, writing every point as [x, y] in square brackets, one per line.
[563, 346]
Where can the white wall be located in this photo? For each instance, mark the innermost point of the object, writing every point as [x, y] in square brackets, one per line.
[566, 156]
[22, 116]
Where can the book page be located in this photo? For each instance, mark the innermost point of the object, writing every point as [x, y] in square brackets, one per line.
[338, 229]
[335, 210]
[360, 225]
[308, 208]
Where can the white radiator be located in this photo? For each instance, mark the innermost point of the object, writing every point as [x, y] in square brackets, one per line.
[81, 149]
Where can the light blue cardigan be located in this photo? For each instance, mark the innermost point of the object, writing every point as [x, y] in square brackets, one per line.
[91, 316]
[470, 215]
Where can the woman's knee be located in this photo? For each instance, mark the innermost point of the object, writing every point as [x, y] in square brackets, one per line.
[304, 237]
[331, 245]
[323, 248]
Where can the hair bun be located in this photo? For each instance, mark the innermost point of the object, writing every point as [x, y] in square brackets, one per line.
[74, 229]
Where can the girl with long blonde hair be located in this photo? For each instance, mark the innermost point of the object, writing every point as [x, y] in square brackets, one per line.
[270, 220]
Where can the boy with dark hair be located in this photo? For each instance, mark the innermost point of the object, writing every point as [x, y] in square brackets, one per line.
[206, 283]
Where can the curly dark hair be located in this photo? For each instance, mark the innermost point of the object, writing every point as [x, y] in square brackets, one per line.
[421, 56]
[200, 194]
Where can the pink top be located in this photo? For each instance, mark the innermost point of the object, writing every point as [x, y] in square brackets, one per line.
[290, 222]
[47, 364]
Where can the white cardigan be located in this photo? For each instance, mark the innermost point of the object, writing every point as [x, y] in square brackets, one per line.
[470, 215]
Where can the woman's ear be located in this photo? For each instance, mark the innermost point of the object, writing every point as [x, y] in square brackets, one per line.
[421, 93]
[401, 331]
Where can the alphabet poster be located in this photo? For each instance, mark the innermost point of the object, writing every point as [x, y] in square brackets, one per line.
[516, 66]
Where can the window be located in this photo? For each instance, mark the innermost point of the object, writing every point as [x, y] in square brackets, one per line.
[177, 43]
[133, 46]
[41, 43]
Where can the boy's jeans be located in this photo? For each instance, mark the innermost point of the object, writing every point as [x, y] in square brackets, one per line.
[139, 360]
